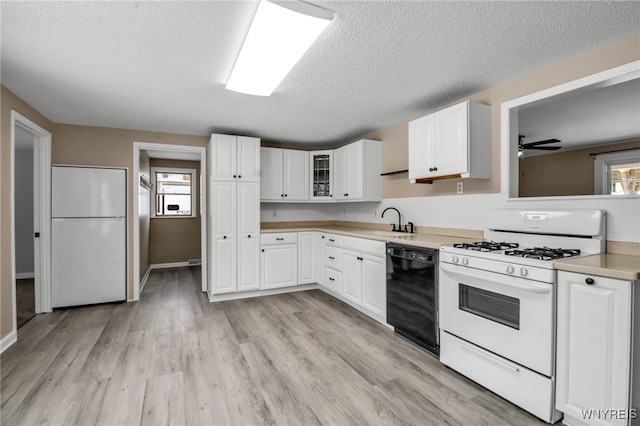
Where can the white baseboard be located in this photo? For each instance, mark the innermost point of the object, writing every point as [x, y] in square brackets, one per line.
[25, 275]
[168, 265]
[256, 293]
[144, 279]
[8, 340]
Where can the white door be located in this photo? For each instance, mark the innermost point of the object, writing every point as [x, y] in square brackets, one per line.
[594, 344]
[223, 207]
[341, 173]
[248, 160]
[421, 140]
[356, 170]
[271, 174]
[451, 140]
[88, 261]
[279, 266]
[296, 175]
[352, 276]
[307, 258]
[248, 212]
[222, 152]
[374, 285]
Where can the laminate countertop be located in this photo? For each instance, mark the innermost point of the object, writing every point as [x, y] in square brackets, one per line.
[620, 266]
[432, 241]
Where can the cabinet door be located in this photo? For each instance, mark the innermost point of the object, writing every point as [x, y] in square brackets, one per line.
[594, 344]
[222, 152]
[355, 165]
[306, 258]
[421, 139]
[321, 176]
[223, 207]
[224, 265]
[320, 258]
[374, 285]
[451, 140]
[223, 231]
[352, 276]
[271, 174]
[248, 161]
[296, 175]
[248, 268]
[248, 212]
[279, 266]
[341, 174]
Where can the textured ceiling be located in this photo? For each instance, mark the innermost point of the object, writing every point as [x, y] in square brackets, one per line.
[162, 65]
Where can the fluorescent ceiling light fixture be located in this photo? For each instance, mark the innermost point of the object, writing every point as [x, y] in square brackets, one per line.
[281, 32]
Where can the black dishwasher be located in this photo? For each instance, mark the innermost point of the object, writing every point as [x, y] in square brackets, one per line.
[412, 289]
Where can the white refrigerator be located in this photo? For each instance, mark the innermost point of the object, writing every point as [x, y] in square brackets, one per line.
[88, 235]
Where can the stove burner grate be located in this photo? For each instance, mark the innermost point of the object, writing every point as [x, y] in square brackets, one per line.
[486, 246]
[543, 253]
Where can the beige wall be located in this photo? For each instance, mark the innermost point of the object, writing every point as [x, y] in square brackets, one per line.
[99, 146]
[144, 213]
[395, 146]
[562, 173]
[9, 102]
[175, 239]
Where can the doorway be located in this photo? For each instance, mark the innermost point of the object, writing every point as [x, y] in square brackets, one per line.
[143, 184]
[30, 219]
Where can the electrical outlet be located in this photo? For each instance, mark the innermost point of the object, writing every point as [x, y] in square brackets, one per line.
[274, 213]
[460, 188]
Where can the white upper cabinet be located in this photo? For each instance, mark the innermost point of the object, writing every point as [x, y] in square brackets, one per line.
[322, 179]
[235, 158]
[285, 175]
[357, 171]
[453, 142]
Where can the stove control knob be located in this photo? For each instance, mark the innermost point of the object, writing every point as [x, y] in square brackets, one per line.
[465, 261]
[524, 272]
[455, 259]
[510, 269]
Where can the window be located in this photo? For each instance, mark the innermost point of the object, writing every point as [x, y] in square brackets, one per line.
[174, 192]
[618, 173]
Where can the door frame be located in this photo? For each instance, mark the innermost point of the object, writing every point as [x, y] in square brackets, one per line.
[42, 213]
[135, 182]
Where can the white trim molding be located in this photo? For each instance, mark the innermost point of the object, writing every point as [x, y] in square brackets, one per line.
[168, 265]
[25, 275]
[177, 149]
[144, 279]
[8, 340]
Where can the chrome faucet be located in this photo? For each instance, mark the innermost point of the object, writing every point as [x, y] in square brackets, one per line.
[399, 220]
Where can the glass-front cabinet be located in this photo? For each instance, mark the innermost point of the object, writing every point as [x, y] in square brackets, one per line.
[322, 184]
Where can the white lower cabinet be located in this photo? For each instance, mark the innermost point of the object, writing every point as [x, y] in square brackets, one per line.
[364, 275]
[279, 260]
[594, 349]
[306, 258]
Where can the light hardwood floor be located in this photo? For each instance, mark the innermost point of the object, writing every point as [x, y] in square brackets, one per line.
[174, 358]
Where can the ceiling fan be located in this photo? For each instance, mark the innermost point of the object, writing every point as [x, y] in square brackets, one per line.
[536, 145]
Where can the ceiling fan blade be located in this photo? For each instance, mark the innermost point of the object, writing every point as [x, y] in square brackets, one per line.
[541, 142]
[543, 148]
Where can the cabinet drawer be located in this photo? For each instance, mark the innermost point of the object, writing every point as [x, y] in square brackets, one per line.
[333, 280]
[279, 238]
[333, 258]
[362, 245]
[333, 240]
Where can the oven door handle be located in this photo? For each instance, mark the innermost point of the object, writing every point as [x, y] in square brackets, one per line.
[530, 287]
[490, 357]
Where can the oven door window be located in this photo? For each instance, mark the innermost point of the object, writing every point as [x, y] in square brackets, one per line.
[495, 307]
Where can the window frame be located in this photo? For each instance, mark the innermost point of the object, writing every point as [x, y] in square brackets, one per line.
[602, 169]
[193, 194]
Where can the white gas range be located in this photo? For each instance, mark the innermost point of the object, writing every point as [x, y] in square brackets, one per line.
[498, 301]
